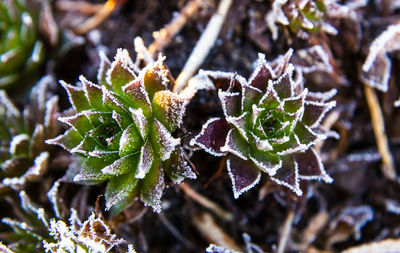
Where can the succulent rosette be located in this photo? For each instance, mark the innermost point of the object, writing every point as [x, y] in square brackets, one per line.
[305, 16]
[270, 124]
[123, 131]
[23, 154]
[20, 49]
[34, 231]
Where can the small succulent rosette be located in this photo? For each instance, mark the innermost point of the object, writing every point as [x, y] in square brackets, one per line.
[34, 231]
[305, 16]
[270, 125]
[124, 131]
[20, 50]
[23, 154]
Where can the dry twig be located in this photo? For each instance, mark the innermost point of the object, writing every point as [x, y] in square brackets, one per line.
[163, 37]
[212, 232]
[78, 6]
[203, 46]
[99, 17]
[285, 234]
[385, 246]
[205, 202]
[378, 125]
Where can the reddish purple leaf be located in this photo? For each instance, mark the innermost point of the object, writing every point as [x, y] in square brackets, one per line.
[288, 175]
[315, 111]
[212, 137]
[261, 75]
[230, 102]
[244, 175]
[310, 166]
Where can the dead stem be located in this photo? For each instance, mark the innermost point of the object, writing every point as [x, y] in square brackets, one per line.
[163, 37]
[205, 202]
[178, 235]
[285, 233]
[78, 6]
[203, 46]
[385, 246]
[212, 232]
[98, 18]
[378, 125]
[142, 53]
[221, 166]
[310, 233]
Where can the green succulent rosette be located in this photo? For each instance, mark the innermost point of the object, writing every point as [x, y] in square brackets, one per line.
[23, 154]
[123, 131]
[20, 50]
[270, 125]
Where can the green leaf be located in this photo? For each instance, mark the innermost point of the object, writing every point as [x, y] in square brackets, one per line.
[76, 97]
[152, 186]
[120, 189]
[130, 141]
[169, 108]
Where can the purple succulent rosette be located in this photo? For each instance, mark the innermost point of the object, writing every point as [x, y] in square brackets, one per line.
[270, 124]
[123, 131]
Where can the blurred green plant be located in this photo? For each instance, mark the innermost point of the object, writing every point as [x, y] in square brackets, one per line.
[23, 154]
[21, 51]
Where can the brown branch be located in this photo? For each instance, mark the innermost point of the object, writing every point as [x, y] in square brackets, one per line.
[99, 17]
[378, 125]
[203, 46]
[385, 246]
[285, 233]
[78, 6]
[212, 232]
[163, 37]
[205, 202]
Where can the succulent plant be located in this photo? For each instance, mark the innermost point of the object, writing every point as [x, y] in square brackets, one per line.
[34, 231]
[23, 154]
[123, 131]
[20, 49]
[270, 124]
[304, 16]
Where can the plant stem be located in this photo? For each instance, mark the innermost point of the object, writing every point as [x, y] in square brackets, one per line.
[203, 46]
[378, 125]
[285, 234]
[205, 202]
[165, 35]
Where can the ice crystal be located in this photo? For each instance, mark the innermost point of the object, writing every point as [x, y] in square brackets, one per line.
[20, 49]
[270, 124]
[24, 155]
[123, 131]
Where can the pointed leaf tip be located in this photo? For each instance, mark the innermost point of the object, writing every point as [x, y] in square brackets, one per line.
[244, 175]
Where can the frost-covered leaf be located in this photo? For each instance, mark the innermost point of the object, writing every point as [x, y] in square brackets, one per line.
[218, 249]
[244, 175]
[212, 136]
[120, 73]
[24, 156]
[163, 140]
[152, 187]
[169, 108]
[376, 68]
